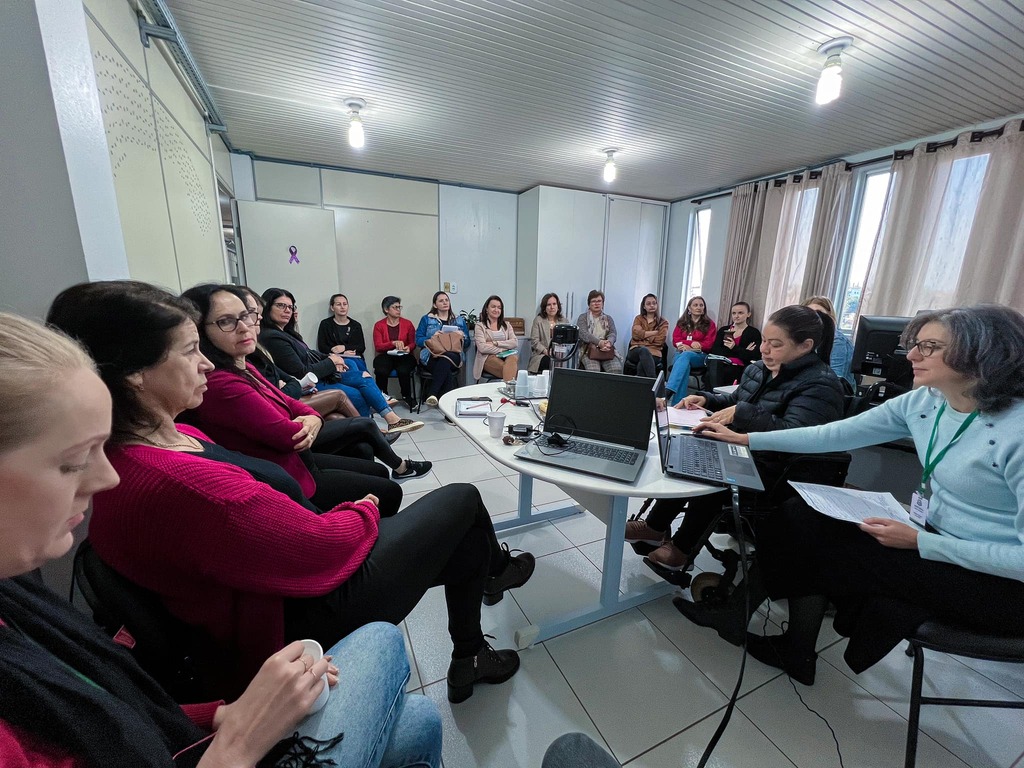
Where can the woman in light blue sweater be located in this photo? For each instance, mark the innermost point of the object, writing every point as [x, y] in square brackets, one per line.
[967, 565]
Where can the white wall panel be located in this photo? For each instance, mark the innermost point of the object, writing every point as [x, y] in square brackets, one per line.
[477, 232]
[282, 181]
[175, 98]
[361, 190]
[222, 162]
[382, 253]
[528, 213]
[119, 21]
[267, 231]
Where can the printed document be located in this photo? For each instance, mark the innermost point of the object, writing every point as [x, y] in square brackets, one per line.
[851, 505]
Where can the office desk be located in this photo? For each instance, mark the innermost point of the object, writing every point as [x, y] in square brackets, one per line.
[605, 499]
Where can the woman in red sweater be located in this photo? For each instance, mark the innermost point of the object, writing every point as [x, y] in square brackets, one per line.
[225, 550]
[394, 339]
[72, 698]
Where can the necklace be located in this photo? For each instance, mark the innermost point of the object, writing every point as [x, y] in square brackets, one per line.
[188, 442]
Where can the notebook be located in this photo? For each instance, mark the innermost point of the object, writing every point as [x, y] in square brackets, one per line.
[701, 458]
[604, 420]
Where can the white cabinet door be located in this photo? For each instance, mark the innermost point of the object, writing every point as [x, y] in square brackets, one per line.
[570, 245]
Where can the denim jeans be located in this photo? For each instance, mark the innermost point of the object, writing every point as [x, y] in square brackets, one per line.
[679, 378]
[362, 391]
[382, 725]
[577, 750]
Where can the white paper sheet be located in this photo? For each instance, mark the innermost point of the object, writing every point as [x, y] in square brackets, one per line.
[683, 417]
[851, 505]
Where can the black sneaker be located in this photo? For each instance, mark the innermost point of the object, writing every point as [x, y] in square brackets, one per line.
[488, 666]
[516, 573]
[412, 469]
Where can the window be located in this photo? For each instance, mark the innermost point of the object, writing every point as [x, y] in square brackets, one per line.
[869, 203]
[700, 228]
[790, 260]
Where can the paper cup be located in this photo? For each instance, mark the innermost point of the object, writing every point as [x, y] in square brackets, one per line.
[314, 649]
[495, 423]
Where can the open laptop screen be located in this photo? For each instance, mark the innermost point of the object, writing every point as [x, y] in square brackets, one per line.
[600, 406]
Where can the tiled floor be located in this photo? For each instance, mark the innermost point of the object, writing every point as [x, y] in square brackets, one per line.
[650, 686]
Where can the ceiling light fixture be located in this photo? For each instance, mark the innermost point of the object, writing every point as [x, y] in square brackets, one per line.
[609, 163]
[356, 137]
[831, 80]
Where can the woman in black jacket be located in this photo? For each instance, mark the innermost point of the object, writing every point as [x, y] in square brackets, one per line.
[791, 386]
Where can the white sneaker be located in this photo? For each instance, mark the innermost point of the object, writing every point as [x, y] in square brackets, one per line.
[431, 401]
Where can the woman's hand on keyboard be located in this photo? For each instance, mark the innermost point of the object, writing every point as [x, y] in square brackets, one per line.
[724, 416]
[720, 432]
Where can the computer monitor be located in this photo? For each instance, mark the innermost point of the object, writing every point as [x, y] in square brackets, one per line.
[877, 351]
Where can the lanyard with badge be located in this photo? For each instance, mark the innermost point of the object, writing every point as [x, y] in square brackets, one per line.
[919, 501]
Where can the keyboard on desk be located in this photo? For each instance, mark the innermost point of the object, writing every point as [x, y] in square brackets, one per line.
[596, 450]
[698, 457]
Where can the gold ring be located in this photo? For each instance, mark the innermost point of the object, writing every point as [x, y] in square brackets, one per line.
[307, 667]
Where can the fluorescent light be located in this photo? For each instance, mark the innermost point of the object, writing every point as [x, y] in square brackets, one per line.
[356, 137]
[609, 164]
[830, 82]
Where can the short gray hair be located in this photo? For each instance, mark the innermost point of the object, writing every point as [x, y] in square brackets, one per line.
[985, 343]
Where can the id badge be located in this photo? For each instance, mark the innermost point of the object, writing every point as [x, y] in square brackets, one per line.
[919, 509]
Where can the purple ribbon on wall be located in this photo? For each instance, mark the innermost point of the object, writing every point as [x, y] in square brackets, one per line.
[294, 254]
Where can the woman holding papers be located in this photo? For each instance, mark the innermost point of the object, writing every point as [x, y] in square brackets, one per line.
[394, 341]
[964, 560]
[792, 386]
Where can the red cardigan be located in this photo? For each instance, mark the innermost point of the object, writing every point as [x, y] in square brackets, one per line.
[222, 549]
[382, 342]
[706, 338]
[256, 421]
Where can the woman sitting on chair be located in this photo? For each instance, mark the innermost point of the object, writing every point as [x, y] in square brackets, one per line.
[597, 337]
[736, 346]
[693, 336]
[548, 316]
[497, 348]
[649, 332]
[229, 552]
[394, 341]
[73, 698]
[442, 367]
[792, 386]
[339, 333]
[842, 347]
[963, 562]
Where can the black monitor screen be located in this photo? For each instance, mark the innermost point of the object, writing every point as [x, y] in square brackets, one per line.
[877, 351]
[600, 406]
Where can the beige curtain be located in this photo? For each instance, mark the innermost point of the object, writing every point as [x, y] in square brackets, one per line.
[994, 260]
[936, 233]
[743, 246]
[828, 233]
[789, 257]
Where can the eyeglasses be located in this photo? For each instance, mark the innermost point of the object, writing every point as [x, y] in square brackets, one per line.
[284, 307]
[229, 324]
[395, 306]
[926, 348]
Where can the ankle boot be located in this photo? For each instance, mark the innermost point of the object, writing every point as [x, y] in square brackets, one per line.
[728, 618]
[517, 572]
[776, 651]
[488, 666]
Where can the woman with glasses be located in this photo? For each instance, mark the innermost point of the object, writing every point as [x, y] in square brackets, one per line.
[962, 560]
[282, 339]
[394, 340]
[597, 337]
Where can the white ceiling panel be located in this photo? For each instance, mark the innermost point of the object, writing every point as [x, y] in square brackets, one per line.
[699, 94]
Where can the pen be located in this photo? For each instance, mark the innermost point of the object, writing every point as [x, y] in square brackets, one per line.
[481, 405]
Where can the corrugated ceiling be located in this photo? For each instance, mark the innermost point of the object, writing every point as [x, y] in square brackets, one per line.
[507, 95]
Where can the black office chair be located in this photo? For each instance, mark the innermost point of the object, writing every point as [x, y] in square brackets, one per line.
[184, 660]
[946, 638]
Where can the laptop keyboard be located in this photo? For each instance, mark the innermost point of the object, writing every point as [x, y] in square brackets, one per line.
[700, 458]
[618, 455]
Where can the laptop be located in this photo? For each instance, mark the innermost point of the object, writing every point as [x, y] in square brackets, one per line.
[596, 423]
[702, 458]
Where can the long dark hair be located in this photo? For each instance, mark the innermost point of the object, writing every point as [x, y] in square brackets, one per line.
[126, 326]
[544, 303]
[802, 323]
[643, 312]
[269, 297]
[985, 343]
[433, 306]
[202, 297]
[686, 321]
[483, 312]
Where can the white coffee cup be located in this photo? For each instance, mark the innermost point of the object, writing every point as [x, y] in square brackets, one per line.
[495, 423]
[315, 650]
[308, 380]
[523, 384]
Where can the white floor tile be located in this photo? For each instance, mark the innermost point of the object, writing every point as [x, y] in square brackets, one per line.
[469, 469]
[409, 498]
[434, 429]
[537, 538]
[564, 581]
[449, 448]
[428, 631]
[414, 673]
[510, 725]
[636, 576]
[418, 485]
[582, 529]
[543, 492]
[870, 734]
[505, 471]
[741, 746]
[499, 495]
[638, 688]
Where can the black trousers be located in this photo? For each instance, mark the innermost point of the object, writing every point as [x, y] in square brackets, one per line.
[341, 478]
[403, 365]
[881, 593]
[640, 362]
[358, 438]
[445, 538]
[443, 370]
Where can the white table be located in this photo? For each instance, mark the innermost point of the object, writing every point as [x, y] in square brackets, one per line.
[606, 499]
